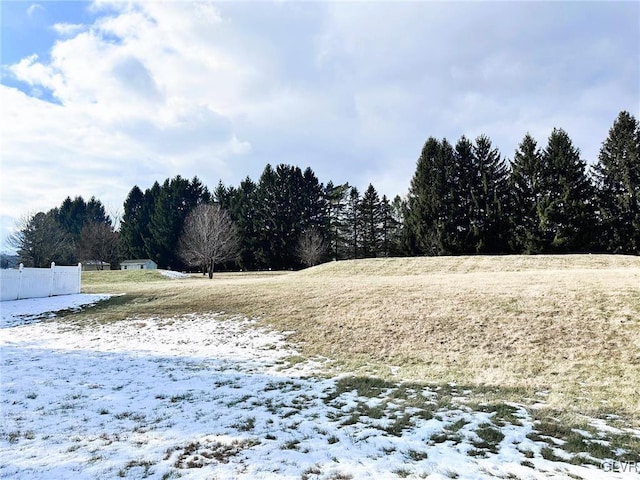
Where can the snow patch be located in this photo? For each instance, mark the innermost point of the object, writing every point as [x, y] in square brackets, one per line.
[173, 275]
[209, 396]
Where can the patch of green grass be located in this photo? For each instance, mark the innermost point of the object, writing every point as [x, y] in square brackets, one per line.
[549, 454]
[182, 397]
[246, 425]
[490, 438]
[399, 424]
[291, 444]
[364, 386]
[144, 464]
[332, 439]
[417, 455]
[308, 473]
[475, 452]
[457, 425]
[504, 414]
[352, 419]
[402, 472]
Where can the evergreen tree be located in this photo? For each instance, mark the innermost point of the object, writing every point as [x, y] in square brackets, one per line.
[431, 199]
[352, 224]
[244, 210]
[566, 212]
[463, 218]
[617, 176]
[391, 232]
[41, 239]
[396, 228]
[134, 226]
[490, 200]
[175, 200]
[371, 222]
[72, 215]
[526, 185]
[337, 203]
[314, 205]
[289, 202]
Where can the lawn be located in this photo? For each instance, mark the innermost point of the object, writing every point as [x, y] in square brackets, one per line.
[465, 367]
[522, 328]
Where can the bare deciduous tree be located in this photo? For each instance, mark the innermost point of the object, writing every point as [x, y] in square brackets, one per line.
[311, 248]
[98, 243]
[208, 237]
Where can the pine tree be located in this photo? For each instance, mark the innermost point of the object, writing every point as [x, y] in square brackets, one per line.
[526, 185]
[352, 231]
[42, 239]
[371, 222]
[337, 203]
[462, 219]
[617, 176]
[72, 215]
[243, 209]
[431, 199]
[134, 226]
[290, 203]
[490, 200]
[391, 226]
[314, 205]
[397, 232]
[566, 212]
[176, 198]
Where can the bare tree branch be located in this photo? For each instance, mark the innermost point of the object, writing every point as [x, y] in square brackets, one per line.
[208, 237]
[311, 248]
[99, 243]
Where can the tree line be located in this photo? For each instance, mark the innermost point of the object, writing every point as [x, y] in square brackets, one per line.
[464, 198]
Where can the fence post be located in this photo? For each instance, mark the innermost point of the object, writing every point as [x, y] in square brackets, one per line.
[20, 281]
[79, 277]
[52, 278]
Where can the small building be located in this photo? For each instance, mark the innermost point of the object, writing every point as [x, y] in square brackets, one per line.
[141, 264]
[93, 265]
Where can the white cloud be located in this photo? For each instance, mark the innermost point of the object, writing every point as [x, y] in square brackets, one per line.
[154, 89]
[34, 8]
[68, 29]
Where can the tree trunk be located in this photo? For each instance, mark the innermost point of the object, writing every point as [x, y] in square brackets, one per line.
[211, 269]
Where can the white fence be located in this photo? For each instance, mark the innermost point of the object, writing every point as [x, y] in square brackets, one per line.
[39, 282]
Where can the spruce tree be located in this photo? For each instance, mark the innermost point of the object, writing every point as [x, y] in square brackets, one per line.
[391, 226]
[336, 196]
[352, 224]
[289, 203]
[617, 177]
[566, 212]
[175, 200]
[371, 222]
[243, 209]
[134, 226]
[462, 219]
[526, 185]
[490, 200]
[431, 199]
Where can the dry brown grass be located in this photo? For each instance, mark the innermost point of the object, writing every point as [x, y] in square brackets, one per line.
[566, 325]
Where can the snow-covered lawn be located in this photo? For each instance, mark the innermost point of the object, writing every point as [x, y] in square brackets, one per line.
[208, 396]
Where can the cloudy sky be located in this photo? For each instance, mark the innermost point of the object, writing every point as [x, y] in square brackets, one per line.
[98, 97]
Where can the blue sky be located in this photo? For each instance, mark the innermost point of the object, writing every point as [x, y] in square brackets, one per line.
[100, 96]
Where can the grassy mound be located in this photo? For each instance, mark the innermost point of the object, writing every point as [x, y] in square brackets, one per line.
[560, 329]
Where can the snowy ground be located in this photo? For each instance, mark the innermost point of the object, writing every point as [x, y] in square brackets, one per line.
[207, 396]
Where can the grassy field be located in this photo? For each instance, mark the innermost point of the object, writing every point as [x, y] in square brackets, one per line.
[562, 330]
